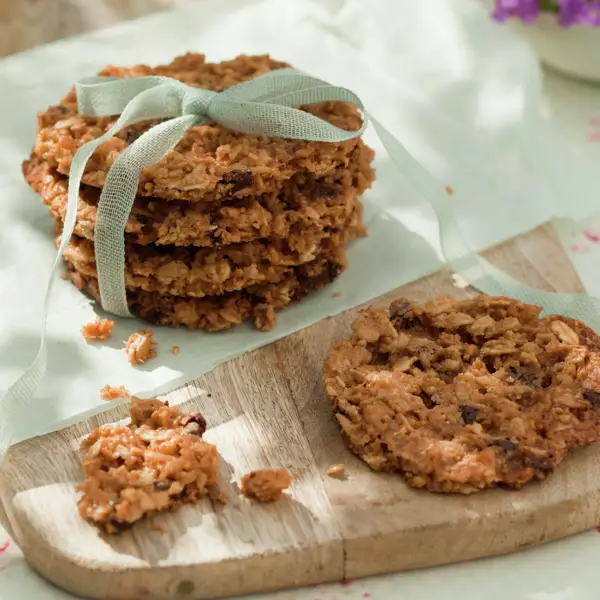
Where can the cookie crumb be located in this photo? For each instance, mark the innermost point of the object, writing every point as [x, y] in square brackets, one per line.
[338, 470]
[140, 347]
[109, 392]
[175, 349]
[336, 294]
[158, 528]
[266, 485]
[100, 329]
[449, 190]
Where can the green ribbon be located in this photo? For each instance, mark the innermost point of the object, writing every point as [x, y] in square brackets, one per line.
[262, 106]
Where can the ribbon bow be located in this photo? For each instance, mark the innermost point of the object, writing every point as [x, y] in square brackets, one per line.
[261, 106]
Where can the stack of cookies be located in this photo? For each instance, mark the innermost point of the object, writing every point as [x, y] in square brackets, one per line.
[227, 227]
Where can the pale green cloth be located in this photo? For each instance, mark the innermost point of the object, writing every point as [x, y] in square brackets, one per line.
[261, 106]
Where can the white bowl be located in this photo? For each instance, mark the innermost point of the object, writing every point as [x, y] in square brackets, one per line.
[574, 51]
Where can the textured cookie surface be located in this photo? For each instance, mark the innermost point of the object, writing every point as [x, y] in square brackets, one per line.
[303, 205]
[210, 162]
[199, 272]
[156, 462]
[461, 396]
[257, 303]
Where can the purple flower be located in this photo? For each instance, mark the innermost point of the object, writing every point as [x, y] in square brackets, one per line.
[570, 11]
[526, 10]
[591, 13]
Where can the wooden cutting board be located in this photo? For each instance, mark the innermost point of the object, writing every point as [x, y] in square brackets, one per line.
[268, 408]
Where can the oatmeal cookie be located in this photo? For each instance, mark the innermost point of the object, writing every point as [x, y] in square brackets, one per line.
[257, 303]
[210, 163]
[463, 395]
[205, 272]
[303, 205]
[156, 462]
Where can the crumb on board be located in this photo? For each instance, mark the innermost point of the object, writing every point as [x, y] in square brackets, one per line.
[336, 294]
[157, 462]
[109, 392]
[449, 190]
[175, 349]
[140, 347]
[266, 485]
[337, 470]
[100, 329]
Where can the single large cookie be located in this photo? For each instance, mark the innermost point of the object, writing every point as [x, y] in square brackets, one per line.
[199, 272]
[209, 163]
[461, 396]
[303, 206]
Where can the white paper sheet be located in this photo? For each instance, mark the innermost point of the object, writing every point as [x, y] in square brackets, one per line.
[451, 85]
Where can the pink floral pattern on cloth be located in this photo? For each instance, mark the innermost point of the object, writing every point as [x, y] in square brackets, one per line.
[581, 243]
[9, 553]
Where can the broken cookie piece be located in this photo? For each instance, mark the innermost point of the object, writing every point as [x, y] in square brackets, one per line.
[458, 396]
[156, 462]
[266, 485]
[140, 347]
[98, 330]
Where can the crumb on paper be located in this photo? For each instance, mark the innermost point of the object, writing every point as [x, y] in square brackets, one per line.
[337, 470]
[100, 329]
[266, 485]
[449, 190]
[336, 294]
[175, 349]
[140, 347]
[158, 461]
[158, 528]
[109, 392]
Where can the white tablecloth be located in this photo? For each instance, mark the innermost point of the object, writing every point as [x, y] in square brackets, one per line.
[565, 570]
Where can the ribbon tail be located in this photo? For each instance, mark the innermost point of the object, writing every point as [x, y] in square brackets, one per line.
[18, 397]
[114, 207]
[477, 271]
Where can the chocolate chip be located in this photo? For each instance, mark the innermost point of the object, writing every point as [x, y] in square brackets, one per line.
[131, 137]
[162, 485]
[239, 178]
[119, 526]
[400, 315]
[322, 190]
[593, 397]
[334, 269]
[194, 423]
[506, 445]
[541, 464]
[469, 413]
[427, 401]
[62, 109]
[524, 375]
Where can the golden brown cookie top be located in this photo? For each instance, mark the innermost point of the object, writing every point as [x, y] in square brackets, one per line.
[210, 162]
[463, 395]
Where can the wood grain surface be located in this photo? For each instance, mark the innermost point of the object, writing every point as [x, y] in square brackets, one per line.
[268, 408]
